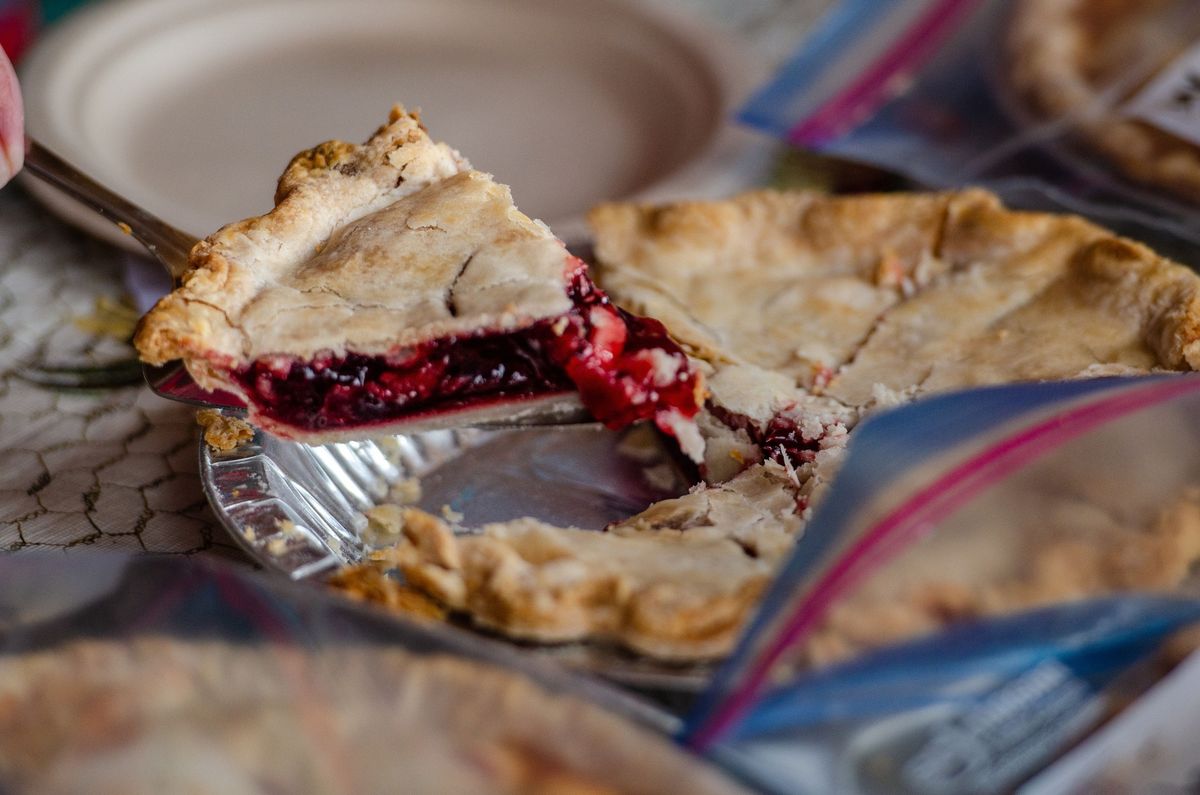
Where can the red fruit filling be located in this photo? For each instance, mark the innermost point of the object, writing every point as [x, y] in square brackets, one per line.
[780, 441]
[625, 369]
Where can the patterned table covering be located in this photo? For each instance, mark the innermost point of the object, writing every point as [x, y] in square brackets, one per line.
[112, 467]
[116, 467]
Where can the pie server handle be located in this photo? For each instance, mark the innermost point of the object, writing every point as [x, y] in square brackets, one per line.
[165, 243]
[168, 245]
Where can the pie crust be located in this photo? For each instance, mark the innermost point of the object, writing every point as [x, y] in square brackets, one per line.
[155, 714]
[674, 582]
[392, 285]
[843, 306]
[1074, 60]
[223, 433]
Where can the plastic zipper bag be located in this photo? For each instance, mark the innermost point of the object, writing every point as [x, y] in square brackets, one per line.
[1151, 747]
[990, 577]
[1088, 107]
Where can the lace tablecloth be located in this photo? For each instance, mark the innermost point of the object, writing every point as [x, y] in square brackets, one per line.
[107, 467]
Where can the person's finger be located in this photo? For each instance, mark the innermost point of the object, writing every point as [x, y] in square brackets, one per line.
[12, 122]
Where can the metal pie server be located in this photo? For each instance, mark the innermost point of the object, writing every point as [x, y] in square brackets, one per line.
[165, 243]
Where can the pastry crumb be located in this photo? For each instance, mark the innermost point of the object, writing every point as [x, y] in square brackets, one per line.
[288, 531]
[222, 432]
[115, 318]
[385, 525]
[451, 515]
[249, 534]
[405, 492]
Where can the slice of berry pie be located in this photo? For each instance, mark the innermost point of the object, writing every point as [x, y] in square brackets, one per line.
[393, 287]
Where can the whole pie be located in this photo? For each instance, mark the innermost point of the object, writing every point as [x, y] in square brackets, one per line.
[1080, 61]
[158, 715]
[393, 286]
[392, 283]
[807, 313]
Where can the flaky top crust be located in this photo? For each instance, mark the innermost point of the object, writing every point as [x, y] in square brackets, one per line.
[369, 247]
[837, 270]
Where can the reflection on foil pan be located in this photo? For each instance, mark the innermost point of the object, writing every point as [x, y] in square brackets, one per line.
[298, 509]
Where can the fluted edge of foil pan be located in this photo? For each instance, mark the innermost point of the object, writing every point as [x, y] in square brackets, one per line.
[298, 510]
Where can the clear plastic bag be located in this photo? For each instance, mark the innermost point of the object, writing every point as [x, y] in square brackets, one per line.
[990, 577]
[1096, 113]
[1151, 747]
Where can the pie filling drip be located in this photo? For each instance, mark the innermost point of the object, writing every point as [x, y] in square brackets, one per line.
[625, 369]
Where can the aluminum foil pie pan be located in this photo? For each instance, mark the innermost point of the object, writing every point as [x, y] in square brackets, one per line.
[298, 509]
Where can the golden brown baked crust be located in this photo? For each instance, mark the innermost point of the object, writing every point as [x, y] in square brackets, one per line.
[811, 273]
[840, 306]
[849, 272]
[369, 583]
[675, 582]
[159, 715]
[1080, 59]
[223, 433]
[364, 251]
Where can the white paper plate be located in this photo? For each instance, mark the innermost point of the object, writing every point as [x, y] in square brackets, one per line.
[192, 108]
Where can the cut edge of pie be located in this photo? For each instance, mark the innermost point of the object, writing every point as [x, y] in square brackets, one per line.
[391, 288]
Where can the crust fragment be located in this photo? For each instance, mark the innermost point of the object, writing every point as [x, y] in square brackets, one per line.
[223, 433]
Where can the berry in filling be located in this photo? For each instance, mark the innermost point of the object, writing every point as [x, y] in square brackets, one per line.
[625, 369]
[780, 440]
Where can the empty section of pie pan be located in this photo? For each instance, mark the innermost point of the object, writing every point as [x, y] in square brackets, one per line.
[298, 509]
[193, 108]
[572, 476]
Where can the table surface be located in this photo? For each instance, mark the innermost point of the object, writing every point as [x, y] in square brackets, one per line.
[117, 467]
[104, 468]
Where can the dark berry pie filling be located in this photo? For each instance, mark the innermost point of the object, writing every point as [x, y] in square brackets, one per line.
[625, 369]
[780, 439]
